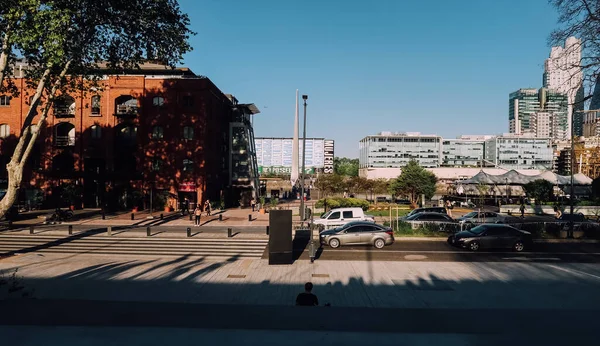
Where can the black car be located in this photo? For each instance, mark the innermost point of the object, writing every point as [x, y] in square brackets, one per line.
[439, 210]
[488, 236]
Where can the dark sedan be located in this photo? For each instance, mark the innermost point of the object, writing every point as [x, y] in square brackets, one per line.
[490, 236]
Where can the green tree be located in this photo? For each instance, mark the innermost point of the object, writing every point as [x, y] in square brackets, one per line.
[413, 182]
[540, 189]
[329, 184]
[69, 45]
[483, 190]
[345, 166]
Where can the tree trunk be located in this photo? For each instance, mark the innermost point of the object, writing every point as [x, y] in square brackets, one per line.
[4, 54]
[27, 140]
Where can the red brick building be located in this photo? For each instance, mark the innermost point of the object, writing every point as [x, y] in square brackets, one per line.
[155, 130]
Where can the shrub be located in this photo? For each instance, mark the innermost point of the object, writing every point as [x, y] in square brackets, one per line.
[343, 203]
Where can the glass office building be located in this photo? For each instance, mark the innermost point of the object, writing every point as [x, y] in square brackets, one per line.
[520, 152]
[393, 150]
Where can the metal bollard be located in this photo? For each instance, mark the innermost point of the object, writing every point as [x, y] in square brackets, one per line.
[249, 217]
[132, 216]
[109, 230]
[148, 231]
[103, 216]
[161, 216]
[30, 229]
[312, 251]
[189, 232]
[220, 217]
[70, 229]
[229, 233]
[267, 230]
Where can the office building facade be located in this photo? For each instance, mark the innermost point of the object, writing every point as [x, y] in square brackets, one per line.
[388, 149]
[520, 152]
[563, 73]
[465, 151]
[542, 113]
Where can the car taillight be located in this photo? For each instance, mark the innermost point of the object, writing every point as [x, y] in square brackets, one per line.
[390, 232]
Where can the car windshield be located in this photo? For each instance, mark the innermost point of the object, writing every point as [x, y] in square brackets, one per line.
[478, 229]
[326, 215]
[470, 215]
[413, 212]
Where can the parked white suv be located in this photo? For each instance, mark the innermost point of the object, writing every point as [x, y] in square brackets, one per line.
[340, 216]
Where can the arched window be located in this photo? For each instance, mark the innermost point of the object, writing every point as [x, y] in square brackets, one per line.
[126, 105]
[4, 100]
[188, 132]
[64, 107]
[158, 101]
[96, 131]
[95, 105]
[158, 132]
[4, 130]
[63, 163]
[188, 165]
[64, 134]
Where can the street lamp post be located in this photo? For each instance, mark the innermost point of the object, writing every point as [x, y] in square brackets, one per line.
[572, 192]
[302, 211]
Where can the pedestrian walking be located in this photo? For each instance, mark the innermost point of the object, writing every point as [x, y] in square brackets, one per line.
[185, 206]
[449, 207]
[522, 209]
[307, 298]
[207, 207]
[198, 215]
[253, 204]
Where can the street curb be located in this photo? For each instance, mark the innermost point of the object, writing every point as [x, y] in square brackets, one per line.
[574, 241]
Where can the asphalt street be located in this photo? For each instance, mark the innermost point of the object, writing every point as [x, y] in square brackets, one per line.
[441, 251]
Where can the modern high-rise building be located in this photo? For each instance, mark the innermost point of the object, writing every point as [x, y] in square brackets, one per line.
[393, 150]
[562, 73]
[539, 112]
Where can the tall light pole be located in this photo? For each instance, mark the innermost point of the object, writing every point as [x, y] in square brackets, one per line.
[572, 192]
[304, 97]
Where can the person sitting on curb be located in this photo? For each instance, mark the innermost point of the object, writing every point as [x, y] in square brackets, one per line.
[307, 298]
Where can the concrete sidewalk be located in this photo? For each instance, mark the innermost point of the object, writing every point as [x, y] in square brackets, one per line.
[342, 283]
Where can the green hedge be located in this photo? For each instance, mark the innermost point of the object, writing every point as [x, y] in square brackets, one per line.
[343, 203]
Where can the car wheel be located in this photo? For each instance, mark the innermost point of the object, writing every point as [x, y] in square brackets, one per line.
[334, 243]
[474, 246]
[379, 243]
[519, 246]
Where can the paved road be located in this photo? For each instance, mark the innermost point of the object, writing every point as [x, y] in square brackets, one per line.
[123, 230]
[440, 251]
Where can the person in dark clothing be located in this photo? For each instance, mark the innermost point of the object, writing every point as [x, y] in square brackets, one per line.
[185, 206]
[522, 209]
[307, 298]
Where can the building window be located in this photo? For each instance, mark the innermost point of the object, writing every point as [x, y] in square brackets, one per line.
[187, 101]
[158, 132]
[188, 132]
[96, 131]
[158, 101]
[64, 134]
[188, 165]
[126, 105]
[64, 107]
[96, 105]
[157, 164]
[4, 130]
[4, 100]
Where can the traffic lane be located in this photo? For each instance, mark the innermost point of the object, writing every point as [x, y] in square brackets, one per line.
[442, 245]
[453, 255]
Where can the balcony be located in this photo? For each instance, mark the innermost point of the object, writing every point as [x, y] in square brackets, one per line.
[64, 141]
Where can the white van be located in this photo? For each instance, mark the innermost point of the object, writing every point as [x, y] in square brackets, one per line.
[340, 216]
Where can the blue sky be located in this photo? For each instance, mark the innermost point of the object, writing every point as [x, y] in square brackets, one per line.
[439, 66]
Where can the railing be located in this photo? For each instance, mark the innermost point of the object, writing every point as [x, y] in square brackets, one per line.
[64, 141]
